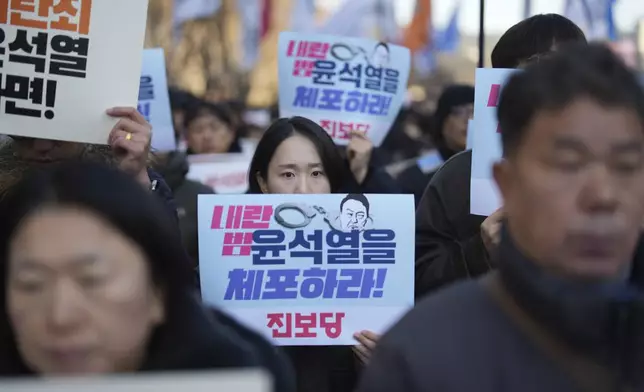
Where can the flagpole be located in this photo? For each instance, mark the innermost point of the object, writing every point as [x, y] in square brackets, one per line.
[481, 34]
[527, 9]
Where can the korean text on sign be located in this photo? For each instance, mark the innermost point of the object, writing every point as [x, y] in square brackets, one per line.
[46, 72]
[146, 94]
[344, 80]
[154, 100]
[486, 140]
[50, 39]
[352, 274]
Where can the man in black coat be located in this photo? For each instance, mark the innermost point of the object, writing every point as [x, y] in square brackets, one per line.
[451, 243]
[565, 310]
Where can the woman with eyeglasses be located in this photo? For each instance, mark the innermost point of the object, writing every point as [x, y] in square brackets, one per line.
[449, 135]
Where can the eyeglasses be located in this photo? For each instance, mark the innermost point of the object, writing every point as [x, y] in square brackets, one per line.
[463, 111]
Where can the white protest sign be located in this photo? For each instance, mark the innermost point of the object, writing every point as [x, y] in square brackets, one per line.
[486, 141]
[224, 173]
[470, 134]
[64, 66]
[308, 270]
[230, 380]
[342, 83]
[154, 100]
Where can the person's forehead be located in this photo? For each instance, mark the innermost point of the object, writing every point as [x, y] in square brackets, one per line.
[298, 149]
[588, 122]
[206, 117]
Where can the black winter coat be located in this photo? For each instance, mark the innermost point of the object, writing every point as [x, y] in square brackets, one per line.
[463, 339]
[448, 238]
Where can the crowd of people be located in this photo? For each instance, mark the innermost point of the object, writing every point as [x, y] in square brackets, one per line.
[99, 256]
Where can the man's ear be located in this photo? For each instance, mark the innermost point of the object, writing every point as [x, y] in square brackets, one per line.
[501, 171]
[262, 184]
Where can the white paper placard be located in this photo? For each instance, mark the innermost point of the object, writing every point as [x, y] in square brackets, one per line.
[154, 100]
[224, 173]
[342, 83]
[237, 381]
[308, 270]
[486, 141]
[64, 93]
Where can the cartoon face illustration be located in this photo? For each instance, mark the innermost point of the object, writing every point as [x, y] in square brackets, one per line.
[380, 57]
[354, 212]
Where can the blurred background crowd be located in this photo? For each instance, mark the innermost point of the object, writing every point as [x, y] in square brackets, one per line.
[223, 51]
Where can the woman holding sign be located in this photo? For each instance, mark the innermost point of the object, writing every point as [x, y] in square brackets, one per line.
[297, 156]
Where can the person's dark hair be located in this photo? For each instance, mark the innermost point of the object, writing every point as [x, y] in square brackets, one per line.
[274, 111]
[533, 37]
[335, 167]
[203, 108]
[181, 99]
[359, 197]
[383, 44]
[453, 96]
[236, 106]
[130, 208]
[220, 111]
[580, 71]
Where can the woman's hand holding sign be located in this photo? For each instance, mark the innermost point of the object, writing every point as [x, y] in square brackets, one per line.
[130, 139]
[359, 153]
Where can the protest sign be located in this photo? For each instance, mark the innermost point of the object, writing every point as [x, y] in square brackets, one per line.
[308, 270]
[486, 141]
[342, 83]
[230, 380]
[225, 175]
[470, 134]
[154, 100]
[64, 65]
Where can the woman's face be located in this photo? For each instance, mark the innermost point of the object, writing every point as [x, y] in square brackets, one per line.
[455, 127]
[296, 167]
[207, 134]
[80, 295]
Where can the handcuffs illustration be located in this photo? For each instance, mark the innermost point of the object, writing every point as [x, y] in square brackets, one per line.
[307, 212]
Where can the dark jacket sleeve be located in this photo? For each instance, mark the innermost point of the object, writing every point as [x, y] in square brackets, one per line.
[379, 181]
[376, 181]
[272, 358]
[448, 241]
[386, 372]
[164, 192]
[413, 181]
